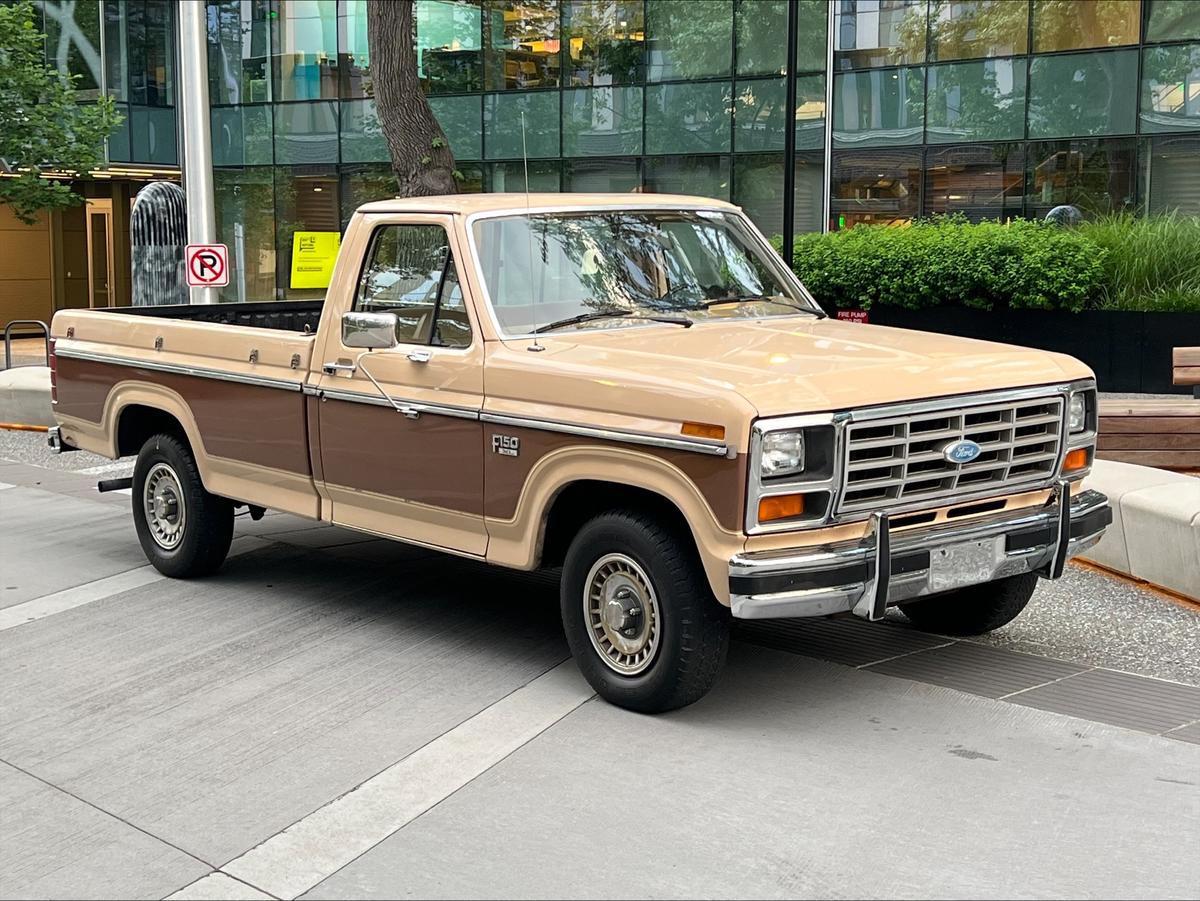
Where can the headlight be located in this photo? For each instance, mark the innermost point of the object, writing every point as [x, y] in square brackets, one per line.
[1077, 413]
[782, 453]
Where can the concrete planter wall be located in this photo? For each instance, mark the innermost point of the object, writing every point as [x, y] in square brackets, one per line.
[1128, 351]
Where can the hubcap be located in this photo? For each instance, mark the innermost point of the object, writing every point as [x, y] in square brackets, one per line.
[166, 513]
[621, 612]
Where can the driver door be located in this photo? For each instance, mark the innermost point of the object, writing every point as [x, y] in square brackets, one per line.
[416, 474]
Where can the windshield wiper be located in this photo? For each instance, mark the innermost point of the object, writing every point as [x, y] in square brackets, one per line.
[757, 298]
[607, 314]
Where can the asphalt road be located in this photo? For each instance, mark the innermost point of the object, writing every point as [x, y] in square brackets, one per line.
[334, 716]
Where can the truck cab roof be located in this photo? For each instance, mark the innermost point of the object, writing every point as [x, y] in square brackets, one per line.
[466, 204]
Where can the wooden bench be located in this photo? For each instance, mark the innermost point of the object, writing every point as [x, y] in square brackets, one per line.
[1153, 432]
[1185, 367]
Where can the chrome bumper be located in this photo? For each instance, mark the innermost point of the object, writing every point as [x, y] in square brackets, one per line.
[883, 568]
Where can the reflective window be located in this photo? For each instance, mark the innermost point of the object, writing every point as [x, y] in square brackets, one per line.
[306, 200]
[306, 132]
[460, 119]
[812, 25]
[760, 114]
[976, 101]
[688, 118]
[590, 176]
[1171, 174]
[808, 196]
[365, 184]
[963, 29]
[152, 135]
[1173, 20]
[1095, 176]
[689, 38]
[354, 61]
[245, 207]
[510, 176]
[242, 136]
[875, 186]
[1171, 88]
[879, 33]
[502, 125]
[411, 274]
[449, 59]
[606, 41]
[884, 106]
[239, 51]
[759, 24]
[979, 181]
[602, 121]
[1083, 94]
[702, 176]
[757, 179]
[810, 112]
[304, 47]
[522, 44]
[1077, 26]
[150, 38]
[361, 136]
[73, 42]
[116, 61]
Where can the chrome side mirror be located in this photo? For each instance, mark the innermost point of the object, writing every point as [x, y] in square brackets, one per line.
[372, 331]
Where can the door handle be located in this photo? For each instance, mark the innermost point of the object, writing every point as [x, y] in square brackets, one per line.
[419, 356]
[331, 368]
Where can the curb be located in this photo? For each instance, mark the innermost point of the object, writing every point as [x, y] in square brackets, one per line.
[25, 396]
[1155, 533]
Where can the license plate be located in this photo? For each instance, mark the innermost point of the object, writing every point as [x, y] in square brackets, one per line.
[969, 563]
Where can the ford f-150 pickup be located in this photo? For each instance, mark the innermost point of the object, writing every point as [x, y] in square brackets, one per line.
[634, 389]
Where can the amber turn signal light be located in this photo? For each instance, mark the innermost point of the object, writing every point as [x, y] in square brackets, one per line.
[780, 506]
[703, 430]
[1076, 459]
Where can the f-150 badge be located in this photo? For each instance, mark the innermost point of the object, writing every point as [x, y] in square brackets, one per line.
[508, 445]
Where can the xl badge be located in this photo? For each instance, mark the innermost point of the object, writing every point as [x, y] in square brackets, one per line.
[508, 445]
[962, 451]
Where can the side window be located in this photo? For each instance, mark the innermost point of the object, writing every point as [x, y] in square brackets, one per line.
[410, 272]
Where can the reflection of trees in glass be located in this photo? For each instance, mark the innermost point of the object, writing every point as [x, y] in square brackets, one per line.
[73, 41]
[1096, 176]
[521, 44]
[690, 38]
[245, 204]
[605, 41]
[976, 101]
[759, 26]
[1070, 25]
[238, 52]
[1083, 94]
[811, 40]
[1173, 20]
[960, 29]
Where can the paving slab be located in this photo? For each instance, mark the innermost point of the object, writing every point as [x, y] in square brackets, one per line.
[52, 542]
[977, 670]
[1135, 702]
[798, 777]
[56, 846]
[216, 712]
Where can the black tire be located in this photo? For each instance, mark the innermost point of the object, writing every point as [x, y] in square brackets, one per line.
[693, 627]
[973, 610]
[199, 544]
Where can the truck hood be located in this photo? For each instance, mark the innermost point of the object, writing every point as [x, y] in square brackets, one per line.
[790, 365]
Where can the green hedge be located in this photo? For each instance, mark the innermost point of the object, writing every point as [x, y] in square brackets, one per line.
[1120, 262]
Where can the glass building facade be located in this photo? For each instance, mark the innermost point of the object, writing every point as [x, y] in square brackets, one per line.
[984, 108]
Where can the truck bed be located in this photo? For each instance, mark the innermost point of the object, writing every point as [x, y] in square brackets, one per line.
[284, 315]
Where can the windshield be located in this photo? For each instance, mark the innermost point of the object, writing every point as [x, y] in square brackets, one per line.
[572, 270]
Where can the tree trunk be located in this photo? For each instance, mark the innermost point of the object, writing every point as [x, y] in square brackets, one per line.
[421, 155]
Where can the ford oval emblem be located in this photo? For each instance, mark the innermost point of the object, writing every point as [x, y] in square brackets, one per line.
[962, 451]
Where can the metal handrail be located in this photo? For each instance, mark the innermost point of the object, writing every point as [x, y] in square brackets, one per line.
[8, 338]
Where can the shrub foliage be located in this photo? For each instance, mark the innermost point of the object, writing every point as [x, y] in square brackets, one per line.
[1118, 262]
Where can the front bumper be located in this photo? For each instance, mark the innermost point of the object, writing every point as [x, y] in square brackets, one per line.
[867, 575]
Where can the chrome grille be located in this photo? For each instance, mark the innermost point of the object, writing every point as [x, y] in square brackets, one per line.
[898, 460]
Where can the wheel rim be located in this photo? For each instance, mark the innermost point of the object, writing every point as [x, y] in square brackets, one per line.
[621, 612]
[166, 512]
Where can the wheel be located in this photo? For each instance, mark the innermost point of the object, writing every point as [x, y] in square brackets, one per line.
[184, 530]
[639, 616]
[975, 609]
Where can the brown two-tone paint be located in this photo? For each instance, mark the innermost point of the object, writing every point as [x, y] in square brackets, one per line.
[246, 423]
[720, 480]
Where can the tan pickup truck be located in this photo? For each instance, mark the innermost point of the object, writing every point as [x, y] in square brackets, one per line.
[633, 388]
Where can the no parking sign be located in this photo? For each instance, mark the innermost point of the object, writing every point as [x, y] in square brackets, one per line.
[207, 265]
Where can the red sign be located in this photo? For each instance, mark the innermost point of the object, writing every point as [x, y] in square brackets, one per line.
[859, 316]
[207, 265]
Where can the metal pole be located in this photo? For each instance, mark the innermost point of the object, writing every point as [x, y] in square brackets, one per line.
[826, 204]
[197, 139]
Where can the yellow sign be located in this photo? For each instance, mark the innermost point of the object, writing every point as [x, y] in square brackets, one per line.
[313, 256]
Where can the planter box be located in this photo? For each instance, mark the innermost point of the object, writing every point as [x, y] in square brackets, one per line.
[1128, 351]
